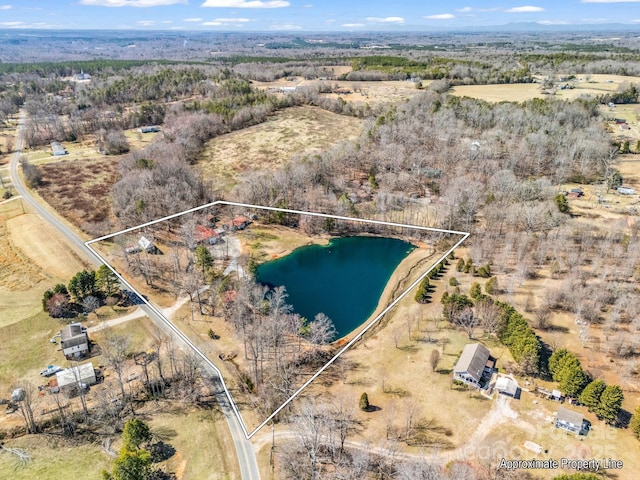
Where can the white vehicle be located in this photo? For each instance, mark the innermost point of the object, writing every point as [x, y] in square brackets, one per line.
[50, 370]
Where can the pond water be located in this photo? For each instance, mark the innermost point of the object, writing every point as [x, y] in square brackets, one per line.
[343, 280]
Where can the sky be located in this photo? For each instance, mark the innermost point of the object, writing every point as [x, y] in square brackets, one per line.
[308, 15]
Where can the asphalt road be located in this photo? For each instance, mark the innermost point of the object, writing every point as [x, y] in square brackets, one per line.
[244, 450]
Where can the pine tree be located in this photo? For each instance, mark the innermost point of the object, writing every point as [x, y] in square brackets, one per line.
[634, 424]
[590, 396]
[364, 401]
[610, 403]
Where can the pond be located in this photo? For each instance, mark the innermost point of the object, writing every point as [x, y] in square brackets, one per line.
[343, 280]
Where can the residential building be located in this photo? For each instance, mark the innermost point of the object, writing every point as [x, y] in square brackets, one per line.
[70, 380]
[571, 421]
[74, 341]
[475, 366]
[57, 150]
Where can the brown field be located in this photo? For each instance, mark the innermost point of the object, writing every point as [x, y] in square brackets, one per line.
[32, 259]
[520, 92]
[294, 131]
[79, 190]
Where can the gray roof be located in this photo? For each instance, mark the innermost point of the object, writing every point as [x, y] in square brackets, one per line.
[569, 416]
[473, 360]
[70, 331]
[505, 384]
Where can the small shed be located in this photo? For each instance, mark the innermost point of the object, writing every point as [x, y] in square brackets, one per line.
[149, 129]
[570, 421]
[146, 244]
[506, 386]
[73, 377]
[626, 191]
[57, 149]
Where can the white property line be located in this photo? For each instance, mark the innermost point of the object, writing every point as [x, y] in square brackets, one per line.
[356, 338]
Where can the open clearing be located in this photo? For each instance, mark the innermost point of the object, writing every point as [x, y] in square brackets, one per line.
[296, 130]
[79, 190]
[32, 259]
[520, 92]
[53, 458]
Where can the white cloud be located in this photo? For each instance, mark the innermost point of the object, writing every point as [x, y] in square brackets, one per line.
[11, 24]
[476, 9]
[308, 5]
[464, 9]
[192, 19]
[6, 7]
[286, 26]
[553, 22]
[352, 25]
[245, 3]
[146, 23]
[225, 22]
[440, 16]
[525, 9]
[385, 20]
[131, 3]
[232, 20]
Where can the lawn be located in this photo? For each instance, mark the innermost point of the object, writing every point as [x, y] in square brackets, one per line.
[53, 458]
[203, 443]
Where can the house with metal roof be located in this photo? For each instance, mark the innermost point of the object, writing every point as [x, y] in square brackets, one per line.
[475, 366]
[57, 150]
[571, 421]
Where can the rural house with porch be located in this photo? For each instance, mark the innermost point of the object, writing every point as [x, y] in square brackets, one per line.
[475, 366]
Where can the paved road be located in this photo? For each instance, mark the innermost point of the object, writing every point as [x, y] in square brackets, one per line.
[244, 449]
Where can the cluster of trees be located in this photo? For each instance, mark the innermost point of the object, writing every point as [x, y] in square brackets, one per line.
[87, 291]
[422, 294]
[523, 343]
[602, 399]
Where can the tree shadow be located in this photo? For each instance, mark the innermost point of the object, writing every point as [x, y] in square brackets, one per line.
[409, 348]
[397, 391]
[163, 434]
[161, 451]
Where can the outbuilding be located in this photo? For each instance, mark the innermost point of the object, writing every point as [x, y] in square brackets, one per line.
[506, 386]
[76, 378]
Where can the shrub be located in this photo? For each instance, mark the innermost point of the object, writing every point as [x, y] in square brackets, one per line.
[491, 287]
[364, 402]
[453, 281]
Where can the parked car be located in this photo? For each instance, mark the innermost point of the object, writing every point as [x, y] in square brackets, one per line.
[50, 370]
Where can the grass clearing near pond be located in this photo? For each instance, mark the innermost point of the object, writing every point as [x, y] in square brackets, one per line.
[296, 130]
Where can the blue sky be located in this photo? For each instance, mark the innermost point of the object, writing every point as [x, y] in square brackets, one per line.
[307, 15]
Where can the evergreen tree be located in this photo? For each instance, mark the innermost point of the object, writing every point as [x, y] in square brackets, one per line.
[83, 284]
[634, 424]
[562, 203]
[422, 294]
[610, 403]
[475, 291]
[204, 260]
[364, 401]
[491, 287]
[135, 433]
[107, 281]
[590, 396]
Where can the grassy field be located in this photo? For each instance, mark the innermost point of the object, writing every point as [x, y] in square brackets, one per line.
[204, 447]
[297, 130]
[29, 264]
[584, 85]
[53, 458]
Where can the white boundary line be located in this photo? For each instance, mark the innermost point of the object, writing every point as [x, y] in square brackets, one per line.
[355, 339]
